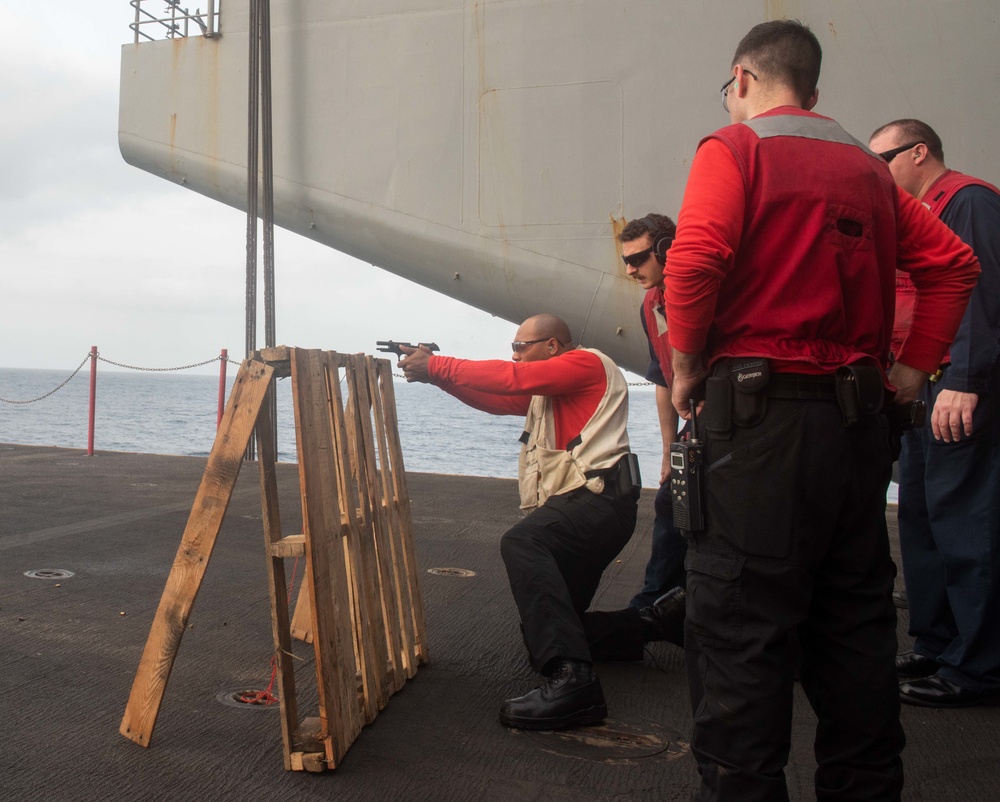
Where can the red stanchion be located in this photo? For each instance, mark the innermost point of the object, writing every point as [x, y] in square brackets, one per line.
[223, 360]
[93, 397]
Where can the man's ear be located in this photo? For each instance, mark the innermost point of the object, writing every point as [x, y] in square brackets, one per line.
[813, 100]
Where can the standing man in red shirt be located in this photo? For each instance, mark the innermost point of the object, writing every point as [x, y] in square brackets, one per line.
[579, 495]
[645, 242]
[779, 293]
[949, 470]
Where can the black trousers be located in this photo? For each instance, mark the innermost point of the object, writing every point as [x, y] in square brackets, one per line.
[555, 558]
[794, 563]
[665, 569]
[949, 536]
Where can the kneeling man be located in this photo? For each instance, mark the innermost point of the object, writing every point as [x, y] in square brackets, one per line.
[580, 511]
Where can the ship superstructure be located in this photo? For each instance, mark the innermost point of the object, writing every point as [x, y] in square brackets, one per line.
[491, 150]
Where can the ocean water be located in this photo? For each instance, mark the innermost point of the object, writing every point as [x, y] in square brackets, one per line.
[175, 413]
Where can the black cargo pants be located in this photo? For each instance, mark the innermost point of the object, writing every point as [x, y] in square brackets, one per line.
[555, 558]
[795, 551]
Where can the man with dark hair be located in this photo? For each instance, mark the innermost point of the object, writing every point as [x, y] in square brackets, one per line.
[949, 470]
[580, 504]
[779, 292]
[645, 241]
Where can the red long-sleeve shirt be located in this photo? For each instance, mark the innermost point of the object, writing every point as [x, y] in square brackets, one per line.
[722, 204]
[575, 381]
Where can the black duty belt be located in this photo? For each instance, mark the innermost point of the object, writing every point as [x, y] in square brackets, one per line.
[605, 473]
[797, 386]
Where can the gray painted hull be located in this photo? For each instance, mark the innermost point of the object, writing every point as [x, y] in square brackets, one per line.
[491, 150]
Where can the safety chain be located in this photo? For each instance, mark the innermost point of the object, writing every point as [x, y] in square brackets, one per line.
[116, 364]
[50, 392]
[159, 370]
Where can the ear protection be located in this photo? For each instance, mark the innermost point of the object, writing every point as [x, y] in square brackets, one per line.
[660, 248]
[661, 244]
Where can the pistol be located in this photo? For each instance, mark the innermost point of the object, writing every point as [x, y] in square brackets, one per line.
[393, 347]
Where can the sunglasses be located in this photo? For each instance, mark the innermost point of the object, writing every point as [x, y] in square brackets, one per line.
[519, 345]
[637, 259]
[889, 155]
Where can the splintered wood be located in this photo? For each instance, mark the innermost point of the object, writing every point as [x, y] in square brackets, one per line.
[360, 604]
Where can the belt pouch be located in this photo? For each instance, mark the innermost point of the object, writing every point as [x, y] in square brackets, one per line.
[749, 377]
[628, 480]
[860, 391]
[718, 415]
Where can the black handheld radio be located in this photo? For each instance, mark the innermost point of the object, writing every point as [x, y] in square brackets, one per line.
[687, 459]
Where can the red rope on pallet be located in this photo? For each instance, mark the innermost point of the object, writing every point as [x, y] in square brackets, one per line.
[265, 697]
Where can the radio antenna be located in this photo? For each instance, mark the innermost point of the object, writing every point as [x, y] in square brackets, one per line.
[694, 420]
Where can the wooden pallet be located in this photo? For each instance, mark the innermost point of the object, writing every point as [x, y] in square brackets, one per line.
[360, 604]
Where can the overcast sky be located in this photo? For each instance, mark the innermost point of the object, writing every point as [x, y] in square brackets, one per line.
[95, 252]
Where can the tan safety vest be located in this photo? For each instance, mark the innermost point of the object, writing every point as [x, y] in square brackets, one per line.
[544, 470]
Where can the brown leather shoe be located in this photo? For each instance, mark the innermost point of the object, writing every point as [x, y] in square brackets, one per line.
[910, 665]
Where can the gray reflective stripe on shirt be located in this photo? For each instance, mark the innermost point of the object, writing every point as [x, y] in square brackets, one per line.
[805, 127]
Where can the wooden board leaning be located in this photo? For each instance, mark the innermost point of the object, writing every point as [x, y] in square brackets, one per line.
[360, 604]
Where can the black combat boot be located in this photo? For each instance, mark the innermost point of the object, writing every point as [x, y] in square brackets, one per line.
[572, 697]
[664, 618]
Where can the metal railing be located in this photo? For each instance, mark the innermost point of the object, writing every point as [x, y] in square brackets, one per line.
[173, 22]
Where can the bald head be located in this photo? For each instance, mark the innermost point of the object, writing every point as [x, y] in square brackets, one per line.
[549, 326]
[542, 337]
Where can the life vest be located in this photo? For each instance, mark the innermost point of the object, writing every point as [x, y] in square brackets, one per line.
[936, 200]
[544, 470]
[656, 330]
[819, 238]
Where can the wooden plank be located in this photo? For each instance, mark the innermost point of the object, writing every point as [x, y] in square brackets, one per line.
[361, 548]
[289, 546]
[371, 632]
[394, 589]
[277, 358]
[302, 619]
[309, 735]
[347, 486]
[346, 479]
[402, 501]
[197, 542]
[313, 762]
[325, 570]
[277, 584]
[407, 588]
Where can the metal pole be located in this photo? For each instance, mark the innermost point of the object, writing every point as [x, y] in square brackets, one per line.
[266, 145]
[211, 19]
[93, 400]
[252, 157]
[253, 116]
[265, 113]
[223, 359]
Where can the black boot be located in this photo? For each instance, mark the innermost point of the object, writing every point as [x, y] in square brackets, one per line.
[664, 618]
[572, 697]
